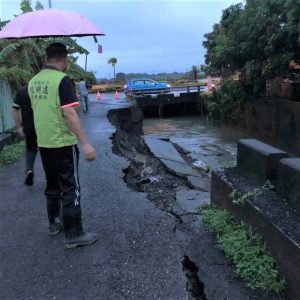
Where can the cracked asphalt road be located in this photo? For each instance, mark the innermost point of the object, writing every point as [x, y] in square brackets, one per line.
[136, 256]
[140, 248]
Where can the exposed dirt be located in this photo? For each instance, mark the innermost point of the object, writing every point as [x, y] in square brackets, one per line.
[146, 173]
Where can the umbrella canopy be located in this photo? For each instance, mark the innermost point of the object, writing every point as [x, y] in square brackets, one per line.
[49, 23]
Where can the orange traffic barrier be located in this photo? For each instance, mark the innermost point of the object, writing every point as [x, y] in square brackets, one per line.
[98, 96]
[117, 96]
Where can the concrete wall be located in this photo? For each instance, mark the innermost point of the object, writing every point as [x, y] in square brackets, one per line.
[276, 122]
[6, 100]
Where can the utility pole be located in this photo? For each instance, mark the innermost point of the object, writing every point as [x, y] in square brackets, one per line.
[50, 5]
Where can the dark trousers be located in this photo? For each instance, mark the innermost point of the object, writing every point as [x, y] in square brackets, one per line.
[63, 190]
[85, 103]
[31, 150]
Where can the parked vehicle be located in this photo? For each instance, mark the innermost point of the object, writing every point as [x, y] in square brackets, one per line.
[145, 86]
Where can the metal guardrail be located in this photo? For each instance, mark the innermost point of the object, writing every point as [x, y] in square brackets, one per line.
[184, 88]
[189, 88]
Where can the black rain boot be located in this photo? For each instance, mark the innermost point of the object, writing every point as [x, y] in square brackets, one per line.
[75, 236]
[54, 216]
[29, 178]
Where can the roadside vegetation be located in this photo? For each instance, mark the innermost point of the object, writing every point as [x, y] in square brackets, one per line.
[12, 153]
[252, 261]
[240, 199]
[259, 39]
[254, 41]
[106, 88]
[227, 104]
[185, 82]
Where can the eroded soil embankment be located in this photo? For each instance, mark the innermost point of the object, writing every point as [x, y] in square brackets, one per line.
[145, 173]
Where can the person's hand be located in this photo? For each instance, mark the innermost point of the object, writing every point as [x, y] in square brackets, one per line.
[20, 131]
[89, 152]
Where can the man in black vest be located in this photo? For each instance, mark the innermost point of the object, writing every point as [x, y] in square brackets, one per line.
[25, 127]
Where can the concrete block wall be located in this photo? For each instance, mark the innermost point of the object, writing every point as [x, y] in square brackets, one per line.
[270, 216]
[285, 250]
[289, 181]
[262, 162]
[258, 160]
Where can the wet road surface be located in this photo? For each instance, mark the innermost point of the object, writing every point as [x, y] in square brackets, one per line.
[136, 256]
[140, 249]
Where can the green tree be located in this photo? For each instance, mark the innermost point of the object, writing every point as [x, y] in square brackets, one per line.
[194, 73]
[120, 77]
[25, 6]
[18, 69]
[113, 61]
[258, 39]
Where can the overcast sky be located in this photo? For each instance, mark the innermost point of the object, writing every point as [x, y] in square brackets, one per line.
[145, 36]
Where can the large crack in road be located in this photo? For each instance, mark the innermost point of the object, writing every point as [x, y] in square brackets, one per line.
[147, 174]
[208, 274]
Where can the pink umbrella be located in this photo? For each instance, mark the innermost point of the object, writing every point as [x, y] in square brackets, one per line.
[49, 23]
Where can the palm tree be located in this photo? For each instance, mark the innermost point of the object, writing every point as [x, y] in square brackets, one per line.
[113, 61]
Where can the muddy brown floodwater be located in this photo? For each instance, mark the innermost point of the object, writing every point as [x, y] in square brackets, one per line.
[210, 146]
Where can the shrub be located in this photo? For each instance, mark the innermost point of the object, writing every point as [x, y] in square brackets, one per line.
[252, 260]
[227, 104]
[12, 153]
